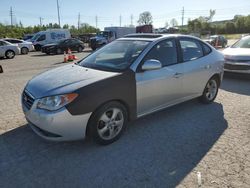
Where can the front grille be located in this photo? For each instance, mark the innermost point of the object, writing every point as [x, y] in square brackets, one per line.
[236, 67]
[235, 60]
[27, 99]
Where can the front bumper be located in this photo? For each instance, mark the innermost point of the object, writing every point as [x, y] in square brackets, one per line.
[237, 67]
[59, 125]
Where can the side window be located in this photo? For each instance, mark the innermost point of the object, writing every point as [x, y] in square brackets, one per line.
[206, 49]
[1, 43]
[191, 49]
[41, 38]
[165, 51]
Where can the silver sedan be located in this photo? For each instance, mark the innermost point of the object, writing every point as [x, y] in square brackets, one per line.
[237, 57]
[8, 50]
[126, 79]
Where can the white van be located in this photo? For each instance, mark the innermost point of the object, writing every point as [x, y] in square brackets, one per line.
[49, 36]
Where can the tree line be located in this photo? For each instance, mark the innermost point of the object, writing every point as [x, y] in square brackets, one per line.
[239, 24]
[18, 31]
[201, 25]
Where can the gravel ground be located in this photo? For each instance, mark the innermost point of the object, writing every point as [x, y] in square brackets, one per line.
[183, 146]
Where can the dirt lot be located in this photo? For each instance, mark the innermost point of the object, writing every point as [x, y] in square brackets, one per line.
[171, 148]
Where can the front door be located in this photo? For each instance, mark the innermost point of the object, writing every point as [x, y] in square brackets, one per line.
[157, 89]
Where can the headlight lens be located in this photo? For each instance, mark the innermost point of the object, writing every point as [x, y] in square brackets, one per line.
[53, 103]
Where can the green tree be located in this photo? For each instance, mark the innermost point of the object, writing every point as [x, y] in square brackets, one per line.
[145, 18]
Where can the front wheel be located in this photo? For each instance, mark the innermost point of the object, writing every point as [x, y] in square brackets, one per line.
[10, 54]
[108, 123]
[210, 92]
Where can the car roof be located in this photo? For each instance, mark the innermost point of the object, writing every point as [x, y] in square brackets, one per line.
[153, 37]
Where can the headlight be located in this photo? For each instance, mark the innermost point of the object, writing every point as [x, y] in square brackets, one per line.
[53, 103]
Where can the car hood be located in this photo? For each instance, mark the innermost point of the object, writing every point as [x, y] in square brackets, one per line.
[237, 53]
[65, 79]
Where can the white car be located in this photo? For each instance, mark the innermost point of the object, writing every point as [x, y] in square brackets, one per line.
[25, 46]
[8, 50]
[237, 57]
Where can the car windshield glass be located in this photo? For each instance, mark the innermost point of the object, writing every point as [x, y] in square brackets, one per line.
[116, 56]
[35, 36]
[103, 34]
[242, 43]
[213, 37]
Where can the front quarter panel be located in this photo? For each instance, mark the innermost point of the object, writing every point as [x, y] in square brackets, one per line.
[119, 88]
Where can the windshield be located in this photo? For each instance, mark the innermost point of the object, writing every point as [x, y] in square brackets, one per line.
[116, 56]
[213, 37]
[35, 37]
[103, 34]
[242, 43]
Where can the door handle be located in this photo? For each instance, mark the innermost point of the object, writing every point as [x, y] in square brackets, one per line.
[177, 75]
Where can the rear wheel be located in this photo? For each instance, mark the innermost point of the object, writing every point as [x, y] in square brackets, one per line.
[24, 50]
[9, 54]
[108, 123]
[211, 90]
[58, 51]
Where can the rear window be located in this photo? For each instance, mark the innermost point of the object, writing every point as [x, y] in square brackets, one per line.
[191, 49]
[206, 49]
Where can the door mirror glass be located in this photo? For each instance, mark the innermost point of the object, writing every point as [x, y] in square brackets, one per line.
[151, 64]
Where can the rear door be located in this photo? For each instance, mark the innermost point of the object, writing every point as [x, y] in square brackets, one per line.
[158, 88]
[196, 66]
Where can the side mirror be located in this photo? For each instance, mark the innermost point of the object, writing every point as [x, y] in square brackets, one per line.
[151, 64]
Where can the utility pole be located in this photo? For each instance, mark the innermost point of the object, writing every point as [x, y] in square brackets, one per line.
[11, 16]
[79, 22]
[182, 17]
[120, 20]
[58, 13]
[96, 21]
[41, 21]
[131, 19]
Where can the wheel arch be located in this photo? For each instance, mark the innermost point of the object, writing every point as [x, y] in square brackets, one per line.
[122, 102]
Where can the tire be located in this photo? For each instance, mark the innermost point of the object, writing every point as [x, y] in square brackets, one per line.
[24, 50]
[80, 49]
[59, 51]
[38, 47]
[108, 123]
[9, 54]
[210, 91]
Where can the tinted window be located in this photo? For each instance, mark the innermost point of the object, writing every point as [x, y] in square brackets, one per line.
[191, 49]
[164, 51]
[1, 43]
[206, 49]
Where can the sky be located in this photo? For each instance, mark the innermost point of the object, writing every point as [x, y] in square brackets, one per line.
[109, 12]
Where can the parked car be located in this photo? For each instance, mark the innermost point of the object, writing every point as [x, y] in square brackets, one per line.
[63, 45]
[126, 79]
[49, 36]
[237, 57]
[25, 46]
[8, 50]
[217, 40]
